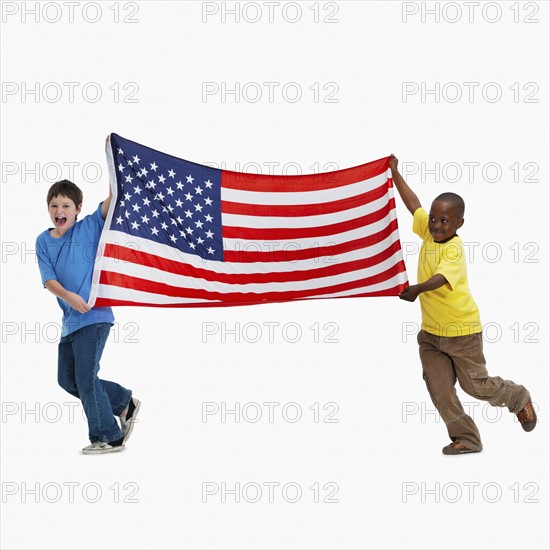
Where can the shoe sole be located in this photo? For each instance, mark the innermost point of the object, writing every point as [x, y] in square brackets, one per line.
[103, 451]
[449, 451]
[529, 426]
[460, 453]
[131, 422]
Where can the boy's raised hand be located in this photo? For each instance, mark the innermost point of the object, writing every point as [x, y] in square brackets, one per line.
[405, 192]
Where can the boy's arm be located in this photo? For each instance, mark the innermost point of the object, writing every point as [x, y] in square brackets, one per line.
[107, 201]
[74, 300]
[411, 293]
[105, 204]
[407, 195]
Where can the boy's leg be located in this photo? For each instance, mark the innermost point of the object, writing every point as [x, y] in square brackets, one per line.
[88, 343]
[65, 366]
[439, 375]
[474, 379]
[118, 396]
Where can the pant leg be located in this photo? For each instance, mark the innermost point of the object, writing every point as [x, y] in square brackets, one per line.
[438, 371]
[119, 396]
[65, 366]
[467, 353]
[88, 343]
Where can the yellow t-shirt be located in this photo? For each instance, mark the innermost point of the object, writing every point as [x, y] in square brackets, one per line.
[450, 309]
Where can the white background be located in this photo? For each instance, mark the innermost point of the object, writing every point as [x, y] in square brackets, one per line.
[395, 488]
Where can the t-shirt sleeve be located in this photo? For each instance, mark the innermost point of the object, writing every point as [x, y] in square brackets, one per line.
[452, 264]
[420, 223]
[47, 271]
[98, 215]
[94, 222]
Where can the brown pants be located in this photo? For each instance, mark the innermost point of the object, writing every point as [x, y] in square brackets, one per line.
[444, 360]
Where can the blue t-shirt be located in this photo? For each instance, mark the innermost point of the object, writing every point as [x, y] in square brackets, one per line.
[70, 260]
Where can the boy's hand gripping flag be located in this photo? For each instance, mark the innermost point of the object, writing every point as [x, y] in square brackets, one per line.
[179, 234]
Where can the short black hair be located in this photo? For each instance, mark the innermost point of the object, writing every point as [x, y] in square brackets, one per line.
[456, 201]
[67, 189]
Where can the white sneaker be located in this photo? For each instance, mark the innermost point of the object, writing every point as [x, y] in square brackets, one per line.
[127, 422]
[98, 448]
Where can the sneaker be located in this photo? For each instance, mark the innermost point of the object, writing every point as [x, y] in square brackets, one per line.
[127, 422]
[99, 447]
[457, 448]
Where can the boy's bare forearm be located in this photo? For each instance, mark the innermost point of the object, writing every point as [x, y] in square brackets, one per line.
[407, 195]
[410, 294]
[106, 203]
[74, 300]
[431, 284]
[56, 288]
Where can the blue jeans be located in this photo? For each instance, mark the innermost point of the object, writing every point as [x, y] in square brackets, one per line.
[78, 366]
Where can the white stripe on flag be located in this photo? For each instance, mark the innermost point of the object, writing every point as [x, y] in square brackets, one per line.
[139, 296]
[304, 244]
[184, 281]
[266, 222]
[304, 197]
[131, 295]
[396, 280]
[230, 268]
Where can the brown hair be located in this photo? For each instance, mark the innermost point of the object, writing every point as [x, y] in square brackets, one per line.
[67, 189]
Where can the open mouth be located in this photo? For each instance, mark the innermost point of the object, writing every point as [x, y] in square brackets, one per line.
[60, 221]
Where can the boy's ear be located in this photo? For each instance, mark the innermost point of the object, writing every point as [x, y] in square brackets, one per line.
[460, 223]
[79, 208]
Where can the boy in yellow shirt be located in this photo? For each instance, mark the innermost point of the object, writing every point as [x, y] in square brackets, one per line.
[451, 344]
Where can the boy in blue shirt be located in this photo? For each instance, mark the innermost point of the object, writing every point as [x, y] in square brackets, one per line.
[66, 255]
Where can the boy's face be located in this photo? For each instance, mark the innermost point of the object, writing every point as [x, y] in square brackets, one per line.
[443, 221]
[63, 212]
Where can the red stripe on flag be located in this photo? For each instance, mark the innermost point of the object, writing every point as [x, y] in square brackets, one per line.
[309, 182]
[107, 302]
[293, 210]
[179, 268]
[285, 233]
[144, 285]
[247, 256]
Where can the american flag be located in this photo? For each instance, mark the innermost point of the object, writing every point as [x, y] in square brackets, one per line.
[180, 234]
